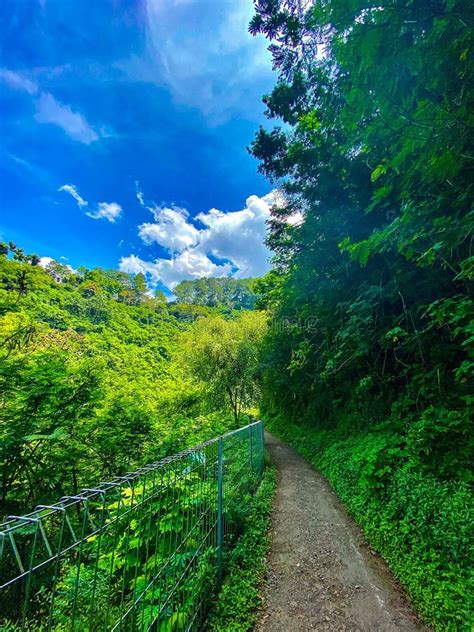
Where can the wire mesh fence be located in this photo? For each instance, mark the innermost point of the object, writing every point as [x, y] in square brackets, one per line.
[144, 551]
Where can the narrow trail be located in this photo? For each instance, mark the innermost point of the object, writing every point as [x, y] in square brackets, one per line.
[322, 575]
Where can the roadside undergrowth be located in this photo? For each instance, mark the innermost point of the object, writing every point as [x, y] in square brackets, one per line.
[239, 598]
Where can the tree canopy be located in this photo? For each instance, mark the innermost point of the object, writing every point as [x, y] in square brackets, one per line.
[225, 293]
[224, 357]
[376, 153]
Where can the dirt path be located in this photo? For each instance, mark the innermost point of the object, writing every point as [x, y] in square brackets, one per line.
[322, 576]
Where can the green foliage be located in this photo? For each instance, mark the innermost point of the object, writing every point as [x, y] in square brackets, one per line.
[226, 294]
[88, 388]
[236, 608]
[97, 378]
[222, 357]
[371, 345]
[144, 549]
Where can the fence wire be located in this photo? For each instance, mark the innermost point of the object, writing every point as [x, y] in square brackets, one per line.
[145, 551]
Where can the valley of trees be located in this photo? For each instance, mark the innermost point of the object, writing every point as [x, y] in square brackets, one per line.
[226, 293]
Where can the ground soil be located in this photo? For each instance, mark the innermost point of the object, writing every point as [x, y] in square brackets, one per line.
[321, 573]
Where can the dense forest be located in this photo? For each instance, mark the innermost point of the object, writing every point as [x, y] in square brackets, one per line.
[98, 377]
[368, 367]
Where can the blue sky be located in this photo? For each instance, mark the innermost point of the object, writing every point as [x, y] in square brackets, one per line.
[123, 134]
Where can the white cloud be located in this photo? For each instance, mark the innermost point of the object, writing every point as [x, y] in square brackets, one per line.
[73, 123]
[238, 236]
[277, 198]
[187, 265]
[139, 193]
[228, 244]
[31, 168]
[104, 210]
[72, 190]
[45, 261]
[18, 81]
[295, 219]
[49, 109]
[171, 229]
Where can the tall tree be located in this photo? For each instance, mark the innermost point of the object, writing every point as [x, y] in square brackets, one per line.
[223, 357]
[371, 348]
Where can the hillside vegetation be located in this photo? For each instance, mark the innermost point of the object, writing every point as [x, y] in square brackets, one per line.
[368, 364]
[97, 377]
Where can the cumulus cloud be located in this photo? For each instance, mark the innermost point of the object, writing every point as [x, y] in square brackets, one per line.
[186, 265]
[49, 110]
[295, 219]
[171, 229]
[238, 236]
[46, 262]
[103, 210]
[214, 244]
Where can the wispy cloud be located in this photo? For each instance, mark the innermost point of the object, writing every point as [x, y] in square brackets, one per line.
[106, 210]
[49, 110]
[139, 193]
[72, 190]
[28, 167]
[18, 81]
[110, 211]
[205, 57]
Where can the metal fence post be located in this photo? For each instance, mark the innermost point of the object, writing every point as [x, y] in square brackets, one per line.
[220, 473]
[251, 451]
